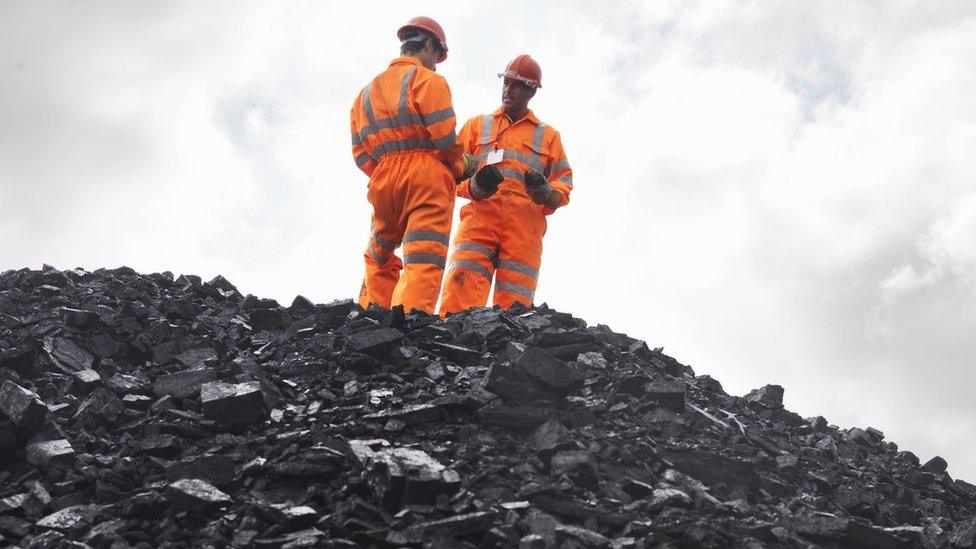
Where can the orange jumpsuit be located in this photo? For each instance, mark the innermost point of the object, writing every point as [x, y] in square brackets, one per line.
[501, 236]
[403, 138]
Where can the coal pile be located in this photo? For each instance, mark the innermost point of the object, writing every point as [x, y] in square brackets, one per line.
[155, 411]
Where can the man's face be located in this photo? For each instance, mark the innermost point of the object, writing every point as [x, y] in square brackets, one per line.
[516, 95]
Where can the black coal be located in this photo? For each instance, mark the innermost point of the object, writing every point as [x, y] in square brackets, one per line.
[153, 411]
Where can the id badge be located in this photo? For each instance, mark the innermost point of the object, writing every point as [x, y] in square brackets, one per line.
[495, 156]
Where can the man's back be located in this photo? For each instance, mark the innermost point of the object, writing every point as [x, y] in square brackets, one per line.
[406, 108]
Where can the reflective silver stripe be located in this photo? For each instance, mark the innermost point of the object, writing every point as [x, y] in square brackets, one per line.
[404, 88]
[481, 157]
[384, 243]
[398, 121]
[563, 164]
[434, 236]
[512, 288]
[485, 137]
[512, 173]
[446, 141]
[566, 180]
[368, 107]
[537, 137]
[403, 118]
[537, 146]
[518, 267]
[356, 140]
[438, 116]
[471, 265]
[427, 259]
[411, 143]
[377, 257]
[475, 247]
[362, 159]
[533, 161]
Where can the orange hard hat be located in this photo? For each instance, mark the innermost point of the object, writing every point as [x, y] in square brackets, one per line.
[429, 26]
[524, 69]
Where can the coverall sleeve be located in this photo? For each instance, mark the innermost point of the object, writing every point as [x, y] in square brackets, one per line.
[560, 174]
[467, 139]
[363, 159]
[432, 97]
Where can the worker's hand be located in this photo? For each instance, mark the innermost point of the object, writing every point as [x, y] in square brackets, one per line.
[537, 187]
[470, 164]
[485, 182]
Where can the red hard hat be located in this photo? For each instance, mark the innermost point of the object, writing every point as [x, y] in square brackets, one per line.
[427, 25]
[524, 69]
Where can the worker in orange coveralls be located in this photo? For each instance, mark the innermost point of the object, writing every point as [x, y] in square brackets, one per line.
[403, 138]
[523, 176]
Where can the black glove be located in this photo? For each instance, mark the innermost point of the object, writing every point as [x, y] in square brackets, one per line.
[486, 181]
[537, 187]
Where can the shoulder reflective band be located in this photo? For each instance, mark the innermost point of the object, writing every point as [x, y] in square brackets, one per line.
[485, 130]
[403, 117]
[537, 146]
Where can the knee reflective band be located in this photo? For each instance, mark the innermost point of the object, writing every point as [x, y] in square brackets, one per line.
[432, 236]
[512, 288]
[510, 265]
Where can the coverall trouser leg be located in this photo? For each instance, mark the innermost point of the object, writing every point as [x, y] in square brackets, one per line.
[519, 252]
[413, 203]
[500, 238]
[473, 256]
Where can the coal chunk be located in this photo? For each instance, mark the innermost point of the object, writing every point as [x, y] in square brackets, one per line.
[669, 394]
[579, 464]
[549, 436]
[233, 403]
[197, 495]
[183, 384]
[511, 384]
[216, 469]
[24, 408]
[935, 465]
[767, 395]
[401, 476]
[581, 537]
[547, 370]
[68, 355]
[51, 453]
[69, 518]
[86, 380]
[375, 341]
[78, 318]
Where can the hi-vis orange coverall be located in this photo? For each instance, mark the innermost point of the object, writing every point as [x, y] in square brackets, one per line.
[502, 235]
[403, 138]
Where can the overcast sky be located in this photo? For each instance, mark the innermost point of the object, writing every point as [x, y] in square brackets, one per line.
[776, 192]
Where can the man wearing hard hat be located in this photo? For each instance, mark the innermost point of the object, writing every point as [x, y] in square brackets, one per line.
[523, 176]
[403, 138]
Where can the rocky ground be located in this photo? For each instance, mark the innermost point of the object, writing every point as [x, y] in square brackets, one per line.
[153, 411]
